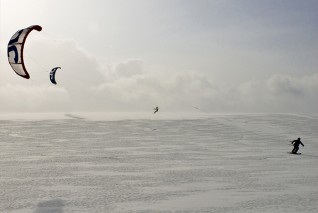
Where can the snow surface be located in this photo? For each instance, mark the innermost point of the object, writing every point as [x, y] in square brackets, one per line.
[219, 163]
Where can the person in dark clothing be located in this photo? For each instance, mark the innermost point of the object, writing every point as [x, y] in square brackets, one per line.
[296, 144]
[156, 109]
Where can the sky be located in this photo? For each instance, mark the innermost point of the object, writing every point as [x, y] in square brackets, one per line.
[211, 56]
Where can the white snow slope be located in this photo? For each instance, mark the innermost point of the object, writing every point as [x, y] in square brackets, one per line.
[225, 163]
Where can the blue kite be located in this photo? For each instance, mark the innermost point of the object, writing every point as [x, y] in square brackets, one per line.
[52, 74]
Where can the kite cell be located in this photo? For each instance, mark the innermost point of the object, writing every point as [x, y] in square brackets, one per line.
[15, 50]
[52, 74]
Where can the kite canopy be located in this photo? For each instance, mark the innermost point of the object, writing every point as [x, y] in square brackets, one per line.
[15, 50]
[52, 74]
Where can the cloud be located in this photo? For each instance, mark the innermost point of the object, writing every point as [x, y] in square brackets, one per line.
[285, 85]
[126, 69]
[84, 84]
[280, 93]
[130, 68]
[94, 28]
[79, 71]
[33, 98]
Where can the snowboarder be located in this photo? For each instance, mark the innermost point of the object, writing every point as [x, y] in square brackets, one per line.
[296, 144]
[156, 110]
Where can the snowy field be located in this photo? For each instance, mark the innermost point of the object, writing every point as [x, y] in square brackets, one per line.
[224, 163]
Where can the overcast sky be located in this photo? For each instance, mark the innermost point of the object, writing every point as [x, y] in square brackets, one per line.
[182, 55]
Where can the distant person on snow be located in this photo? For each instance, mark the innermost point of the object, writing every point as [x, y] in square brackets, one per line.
[296, 144]
[156, 109]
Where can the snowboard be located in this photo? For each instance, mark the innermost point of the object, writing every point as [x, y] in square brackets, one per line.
[294, 153]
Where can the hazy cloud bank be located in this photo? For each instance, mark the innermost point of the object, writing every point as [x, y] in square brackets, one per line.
[86, 83]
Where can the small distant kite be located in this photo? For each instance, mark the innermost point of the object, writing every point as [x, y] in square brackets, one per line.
[15, 50]
[52, 74]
